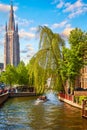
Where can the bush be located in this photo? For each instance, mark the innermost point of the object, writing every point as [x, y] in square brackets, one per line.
[80, 98]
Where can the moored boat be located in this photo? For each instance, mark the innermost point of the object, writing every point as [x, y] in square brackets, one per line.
[3, 98]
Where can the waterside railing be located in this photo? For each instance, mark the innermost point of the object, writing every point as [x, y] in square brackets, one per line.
[71, 100]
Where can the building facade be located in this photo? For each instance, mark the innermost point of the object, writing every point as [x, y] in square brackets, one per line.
[11, 44]
[81, 81]
[83, 78]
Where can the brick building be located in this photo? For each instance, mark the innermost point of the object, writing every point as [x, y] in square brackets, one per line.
[83, 79]
[11, 44]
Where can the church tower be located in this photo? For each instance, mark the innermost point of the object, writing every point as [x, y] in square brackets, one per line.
[11, 44]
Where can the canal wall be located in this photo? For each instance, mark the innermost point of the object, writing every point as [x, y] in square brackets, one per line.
[22, 94]
[69, 99]
[3, 97]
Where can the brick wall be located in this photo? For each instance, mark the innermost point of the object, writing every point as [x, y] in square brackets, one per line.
[80, 93]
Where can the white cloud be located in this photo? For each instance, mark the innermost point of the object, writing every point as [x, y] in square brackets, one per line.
[5, 8]
[45, 24]
[26, 35]
[20, 21]
[73, 14]
[75, 9]
[23, 22]
[31, 54]
[27, 57]
[28, 45]
[24, 51]
[33, 29]
[30, 48]
[1, 42]
[60, 5]
[66, 31]
[72, 7]
[2, 29]
[59, 25]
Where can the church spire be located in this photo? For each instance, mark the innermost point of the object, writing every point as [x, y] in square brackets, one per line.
[6, 27]
[11, 44]
[11, 24]
[17, 27]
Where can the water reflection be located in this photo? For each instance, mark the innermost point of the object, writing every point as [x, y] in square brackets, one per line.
[23, 114]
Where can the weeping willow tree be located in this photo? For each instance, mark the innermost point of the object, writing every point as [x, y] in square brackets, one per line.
[47, 59]
[50, 46]
[30, 68]
[37, 74]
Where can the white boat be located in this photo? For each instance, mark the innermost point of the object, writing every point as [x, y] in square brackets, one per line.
[41, 99]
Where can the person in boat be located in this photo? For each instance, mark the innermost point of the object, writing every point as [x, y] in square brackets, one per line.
[44, 98]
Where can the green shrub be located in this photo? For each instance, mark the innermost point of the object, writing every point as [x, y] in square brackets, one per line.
[79, 99]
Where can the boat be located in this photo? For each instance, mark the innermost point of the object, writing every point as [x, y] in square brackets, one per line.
[3, 97]
[41, 99]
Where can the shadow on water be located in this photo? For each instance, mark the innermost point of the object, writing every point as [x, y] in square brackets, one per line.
[23, 114]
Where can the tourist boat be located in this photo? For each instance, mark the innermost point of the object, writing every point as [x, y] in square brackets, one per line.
[41, 99]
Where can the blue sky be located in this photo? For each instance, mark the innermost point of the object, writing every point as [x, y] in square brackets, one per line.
[60, 15]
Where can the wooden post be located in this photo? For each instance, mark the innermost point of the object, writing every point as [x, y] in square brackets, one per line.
[82, 107]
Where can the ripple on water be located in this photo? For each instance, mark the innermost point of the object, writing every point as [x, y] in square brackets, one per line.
[23, 114]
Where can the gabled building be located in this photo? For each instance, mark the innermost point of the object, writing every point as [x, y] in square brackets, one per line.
[81, 81]
[11, 44]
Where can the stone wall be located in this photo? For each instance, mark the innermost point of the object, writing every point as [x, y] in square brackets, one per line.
[22, 94]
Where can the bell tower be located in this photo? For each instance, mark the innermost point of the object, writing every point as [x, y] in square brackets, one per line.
[11, 44]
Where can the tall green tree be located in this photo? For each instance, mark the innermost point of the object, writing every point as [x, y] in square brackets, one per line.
[22, 74]
[77, 37]
[9, 76]
[47, 59]
[74, 56]
[52, 44]
[30, 68]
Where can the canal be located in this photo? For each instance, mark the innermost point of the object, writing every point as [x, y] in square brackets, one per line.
[25, 114]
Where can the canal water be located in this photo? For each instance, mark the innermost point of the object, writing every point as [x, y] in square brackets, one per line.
[25, 114]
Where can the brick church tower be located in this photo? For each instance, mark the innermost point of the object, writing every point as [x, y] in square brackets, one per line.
[11, 44]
